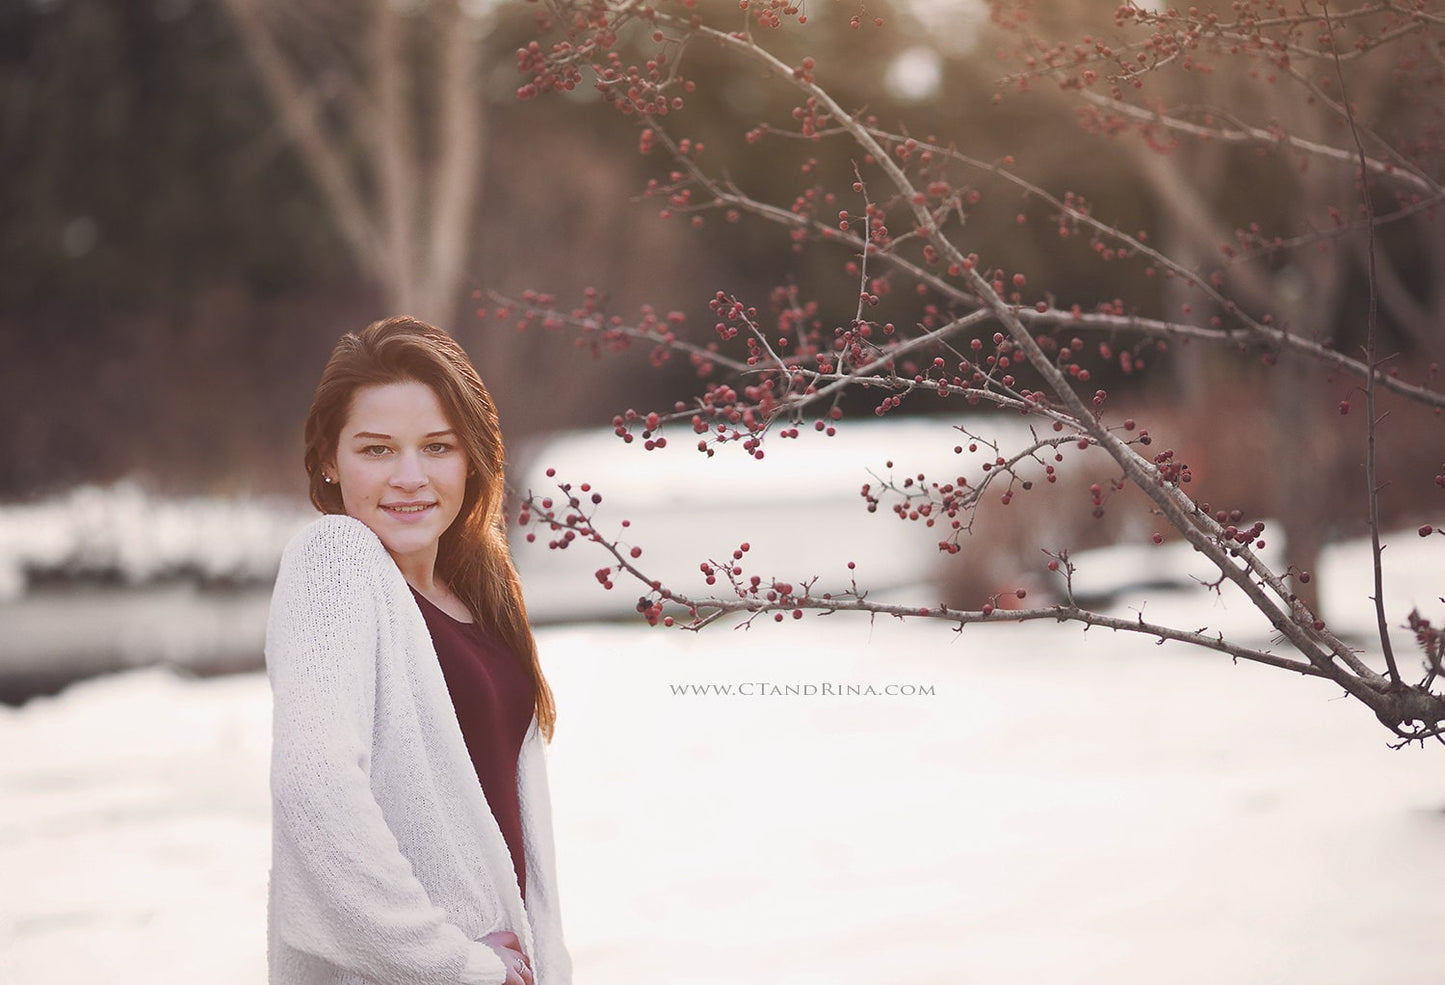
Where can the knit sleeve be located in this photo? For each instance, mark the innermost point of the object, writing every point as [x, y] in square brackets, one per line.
[343, 890]
[552, 961]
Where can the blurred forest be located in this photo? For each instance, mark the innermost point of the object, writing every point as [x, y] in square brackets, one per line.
[199, 196]
[173, 281]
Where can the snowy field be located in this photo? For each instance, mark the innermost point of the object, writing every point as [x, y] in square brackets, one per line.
[1061, 808]
[1047, 805]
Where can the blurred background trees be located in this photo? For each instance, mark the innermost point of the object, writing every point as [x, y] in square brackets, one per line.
[200, 195]
[382, 107]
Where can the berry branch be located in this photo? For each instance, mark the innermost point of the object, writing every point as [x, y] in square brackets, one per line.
[973, 334]
[754, 595]
[1245, 328]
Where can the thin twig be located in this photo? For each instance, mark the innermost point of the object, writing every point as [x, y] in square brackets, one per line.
[1372, 360]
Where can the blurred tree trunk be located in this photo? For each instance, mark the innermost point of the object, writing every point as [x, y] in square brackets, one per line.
[381, 103]
[1307, 496]
[1192, 231]
[1418, 319]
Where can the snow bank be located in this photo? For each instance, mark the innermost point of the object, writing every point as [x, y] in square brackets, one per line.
[123, 533]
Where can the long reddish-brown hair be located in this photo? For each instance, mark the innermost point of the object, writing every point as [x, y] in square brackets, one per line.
[472, 556]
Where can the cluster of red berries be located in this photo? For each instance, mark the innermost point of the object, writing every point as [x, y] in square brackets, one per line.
[1430, 638]
[1171, 472]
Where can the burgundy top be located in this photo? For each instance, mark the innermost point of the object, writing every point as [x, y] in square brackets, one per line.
[494, 696]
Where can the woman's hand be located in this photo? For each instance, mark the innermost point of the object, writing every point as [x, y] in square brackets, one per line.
[509, 949]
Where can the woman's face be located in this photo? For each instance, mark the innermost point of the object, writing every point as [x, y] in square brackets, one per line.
[401, 470]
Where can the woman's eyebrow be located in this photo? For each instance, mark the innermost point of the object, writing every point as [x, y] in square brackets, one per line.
[387, 437]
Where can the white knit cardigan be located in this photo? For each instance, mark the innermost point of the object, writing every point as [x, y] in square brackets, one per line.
[387, 863]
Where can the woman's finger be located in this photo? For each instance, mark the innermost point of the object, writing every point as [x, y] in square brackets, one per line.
[518, 969]
[504, 938]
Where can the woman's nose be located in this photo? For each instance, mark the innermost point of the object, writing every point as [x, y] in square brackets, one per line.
[409, 473]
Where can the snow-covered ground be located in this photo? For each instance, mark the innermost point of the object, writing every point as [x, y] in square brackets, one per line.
[1046, 805]
[1054, 807]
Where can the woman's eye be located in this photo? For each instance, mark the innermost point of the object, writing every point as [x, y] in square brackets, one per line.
[438, 447]
[374, 451]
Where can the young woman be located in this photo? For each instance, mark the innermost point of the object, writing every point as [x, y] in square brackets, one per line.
[412, 831]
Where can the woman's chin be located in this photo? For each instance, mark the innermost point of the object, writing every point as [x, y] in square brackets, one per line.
[407, 538]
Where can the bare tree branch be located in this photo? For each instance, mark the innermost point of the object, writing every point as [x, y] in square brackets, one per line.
[1372, 421]
[777, 384]
[295, 103]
